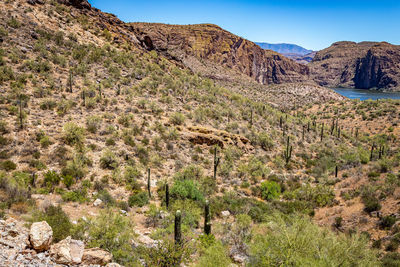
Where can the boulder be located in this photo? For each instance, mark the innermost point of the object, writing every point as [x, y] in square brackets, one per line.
[113, 264]
[96, 256]
[97, 202]
[40, 236]
[67, 251]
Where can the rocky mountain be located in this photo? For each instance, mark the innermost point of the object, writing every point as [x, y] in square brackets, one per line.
[302, 59]
[205, 44]
[362, 65]
[285, 48]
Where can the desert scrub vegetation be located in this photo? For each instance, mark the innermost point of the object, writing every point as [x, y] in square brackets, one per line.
[285, 240]
[73, 134]
[110, 231]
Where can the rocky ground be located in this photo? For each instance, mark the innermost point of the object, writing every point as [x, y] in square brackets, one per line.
[20, 246]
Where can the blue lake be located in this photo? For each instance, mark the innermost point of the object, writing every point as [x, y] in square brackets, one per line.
[363, 94]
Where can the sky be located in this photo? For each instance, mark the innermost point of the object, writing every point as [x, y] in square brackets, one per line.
[313, 24]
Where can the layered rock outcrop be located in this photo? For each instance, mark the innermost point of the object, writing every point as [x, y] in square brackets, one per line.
[212, 44]
[362, 65]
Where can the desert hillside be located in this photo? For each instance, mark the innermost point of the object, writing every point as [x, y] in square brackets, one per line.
[118, 148]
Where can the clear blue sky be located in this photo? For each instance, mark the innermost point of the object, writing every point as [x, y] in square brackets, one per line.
[314, 24]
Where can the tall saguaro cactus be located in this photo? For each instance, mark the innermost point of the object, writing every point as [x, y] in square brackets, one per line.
[288, 151]
[216, 162]
[178, 231]
[371, 157]
[148, 182]
[167, 195]
[207, 218]
[71, 80]
[322, 132]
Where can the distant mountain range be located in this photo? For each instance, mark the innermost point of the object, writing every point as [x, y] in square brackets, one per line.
[292, 51]
[285, 48]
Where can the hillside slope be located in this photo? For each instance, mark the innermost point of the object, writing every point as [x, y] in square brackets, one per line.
[204, 43]
[362, 65]
[106, 141]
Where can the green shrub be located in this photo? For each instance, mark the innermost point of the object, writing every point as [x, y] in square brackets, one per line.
[106, 197]
[138, 199]
[45, 141]
[270, 190]
[391, 259]
[93, 123]
[214, 256]
[108, 160]
[79, 195]
[265, 141]
[318, 196]
[186, 189]
[57, 219]
[387, 222]
[73, 134]
[131, 176]
[14, 23]
[68, 180]
[295, 241]
[166, 253]
[77, 167]
[371, 202]
[51, 179]
[177, 118]
[110, 231]
[8, 165]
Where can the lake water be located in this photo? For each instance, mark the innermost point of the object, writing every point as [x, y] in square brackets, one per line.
[363, 94]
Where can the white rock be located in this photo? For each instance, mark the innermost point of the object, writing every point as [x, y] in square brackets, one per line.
[225, 213]
[41, 236]
[67, 251]
[94, 256]
[97, 202]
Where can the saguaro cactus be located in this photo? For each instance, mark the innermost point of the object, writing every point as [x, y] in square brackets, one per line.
[148, 182]
[100, 94]
[381, 151]
[178, 231]
[322, 132]
[207, 218]
[288, 151]
[336, 171]
[71, 80]
[167, 195]
[372, 152]
[216, 162]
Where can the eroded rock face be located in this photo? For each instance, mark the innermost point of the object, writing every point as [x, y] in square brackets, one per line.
[41, 236]
[67, 251]
[96, 256]
[380, 68]
[362, 65]
[206, 42]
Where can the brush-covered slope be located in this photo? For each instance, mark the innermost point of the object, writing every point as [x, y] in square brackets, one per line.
[205, 43]
[94, 127]
[362, 65]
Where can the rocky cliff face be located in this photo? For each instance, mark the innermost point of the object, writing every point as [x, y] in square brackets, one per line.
[380, 68]
[207, 43]
[362, 65]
